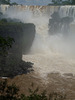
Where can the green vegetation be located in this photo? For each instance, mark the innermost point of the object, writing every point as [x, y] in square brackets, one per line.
[56, 1]
[65, 2]
[11, 92]
[7, 2]
[4, 1]
[73, 2]
[14, 3]
[8, 92]
[6, 41]
[14, 41]
[5, 44]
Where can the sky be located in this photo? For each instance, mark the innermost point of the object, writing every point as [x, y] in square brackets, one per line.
[32, 2]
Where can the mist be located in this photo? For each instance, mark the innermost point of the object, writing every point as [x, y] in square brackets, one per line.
[50, 52]
[46, 42]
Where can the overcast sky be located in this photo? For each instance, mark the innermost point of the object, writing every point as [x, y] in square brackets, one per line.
[32, 2]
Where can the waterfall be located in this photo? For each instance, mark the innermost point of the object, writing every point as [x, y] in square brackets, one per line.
[49, 52]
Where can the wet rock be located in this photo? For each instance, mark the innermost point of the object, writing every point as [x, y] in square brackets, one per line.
[23, 35]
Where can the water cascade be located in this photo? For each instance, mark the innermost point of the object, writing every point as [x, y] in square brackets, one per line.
[49, 52]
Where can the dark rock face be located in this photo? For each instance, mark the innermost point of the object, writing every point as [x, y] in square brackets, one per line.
[59, 25]
[54, 23]
[23, 35]
[28, 37]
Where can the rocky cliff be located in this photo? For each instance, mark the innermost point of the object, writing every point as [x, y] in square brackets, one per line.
[23, 35]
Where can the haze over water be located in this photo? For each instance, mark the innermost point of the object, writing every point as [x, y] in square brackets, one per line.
[49, 53]
[52, 53]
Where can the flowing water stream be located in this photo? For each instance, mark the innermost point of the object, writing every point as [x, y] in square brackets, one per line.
[49, 53]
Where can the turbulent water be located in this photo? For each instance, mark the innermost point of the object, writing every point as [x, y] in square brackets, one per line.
[49, 53]
[52, 53]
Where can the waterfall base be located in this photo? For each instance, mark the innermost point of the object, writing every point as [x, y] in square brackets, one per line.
[53, 63]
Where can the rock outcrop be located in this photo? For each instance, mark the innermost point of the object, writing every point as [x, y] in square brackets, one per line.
[23, 35]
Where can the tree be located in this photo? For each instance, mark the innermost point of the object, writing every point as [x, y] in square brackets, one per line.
[66, 2]
[56, 1]
[11, 92]
[73, 2]
[5, 44]
[5, 1]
